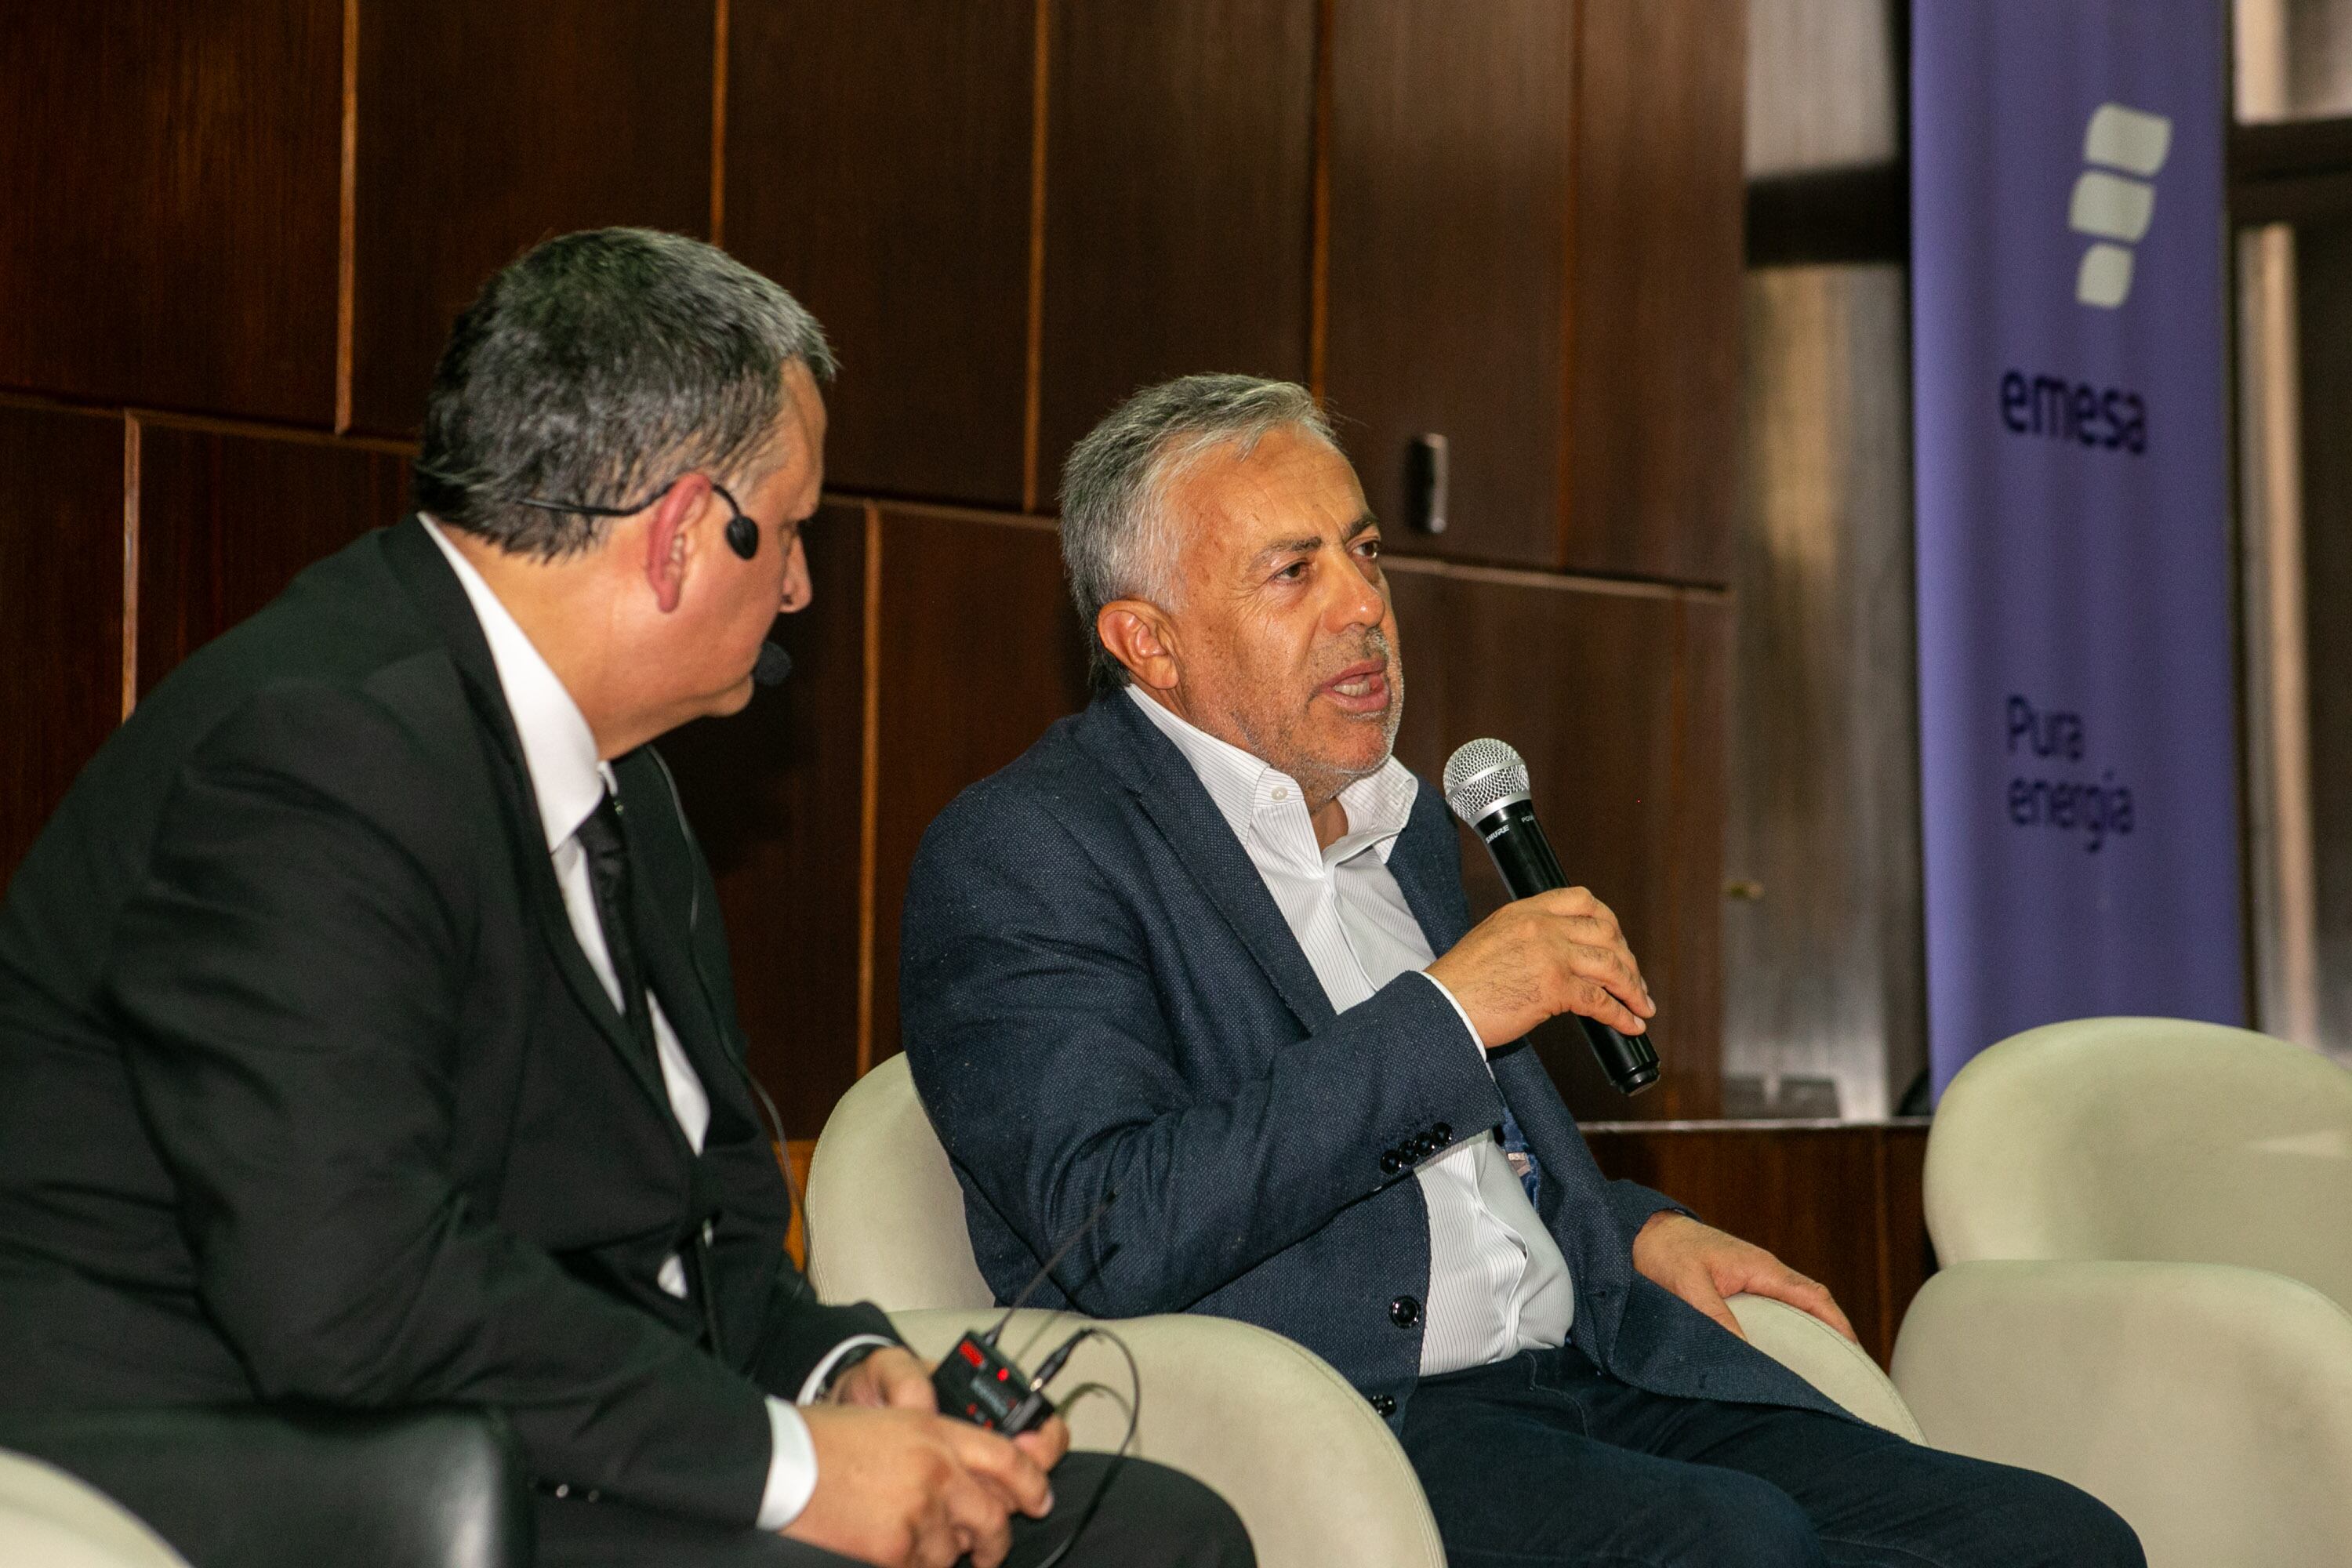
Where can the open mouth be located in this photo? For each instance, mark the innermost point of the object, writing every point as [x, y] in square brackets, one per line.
[1362, 687]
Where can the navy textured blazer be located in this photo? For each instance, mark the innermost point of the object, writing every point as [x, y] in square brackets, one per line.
[1099, 993]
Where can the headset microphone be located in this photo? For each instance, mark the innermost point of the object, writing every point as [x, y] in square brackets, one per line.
[773, 665]
[1486, 785]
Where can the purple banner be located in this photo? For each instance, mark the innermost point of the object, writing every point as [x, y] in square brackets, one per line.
[2078, 732]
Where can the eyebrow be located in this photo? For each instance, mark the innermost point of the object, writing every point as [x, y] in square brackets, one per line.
[1308, 544]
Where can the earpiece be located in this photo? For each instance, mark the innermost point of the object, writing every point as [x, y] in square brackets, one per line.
[742, 536]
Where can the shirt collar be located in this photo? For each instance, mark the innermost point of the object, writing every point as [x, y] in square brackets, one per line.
[1248, 789]
[559, 750]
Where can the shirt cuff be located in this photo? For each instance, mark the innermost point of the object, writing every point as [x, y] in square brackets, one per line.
[815, 1384]
[792, 1457]
[791, 1467]
[1468, 1027]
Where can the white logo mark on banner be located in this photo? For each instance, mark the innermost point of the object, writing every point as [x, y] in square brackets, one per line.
[2112, 207]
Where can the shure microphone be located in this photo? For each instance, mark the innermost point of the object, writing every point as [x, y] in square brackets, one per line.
[773, 665]
[1486, 785]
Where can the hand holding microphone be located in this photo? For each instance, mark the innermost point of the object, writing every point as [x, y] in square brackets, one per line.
[1556, 949]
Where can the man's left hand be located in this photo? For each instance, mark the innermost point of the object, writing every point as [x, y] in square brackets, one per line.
[1703, 1266]
[896, 1376]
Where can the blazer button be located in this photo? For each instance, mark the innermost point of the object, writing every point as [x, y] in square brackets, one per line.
[1444, 1134]
[1391, 1162]
[1382, 1404]
[1404, 1312]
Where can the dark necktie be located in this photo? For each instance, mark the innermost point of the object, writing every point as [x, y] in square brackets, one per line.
[608, 878]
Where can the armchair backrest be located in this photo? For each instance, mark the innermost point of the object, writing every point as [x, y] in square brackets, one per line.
[2146, 1140]
[884, 1210]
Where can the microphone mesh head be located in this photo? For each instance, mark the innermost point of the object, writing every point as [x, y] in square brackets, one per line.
[1480, 775]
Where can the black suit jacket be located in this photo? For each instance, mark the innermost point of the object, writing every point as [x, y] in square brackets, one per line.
[1099, 993]
[307, 1093]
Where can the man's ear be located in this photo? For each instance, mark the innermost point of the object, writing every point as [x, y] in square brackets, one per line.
[670, 538]
[1140, 635]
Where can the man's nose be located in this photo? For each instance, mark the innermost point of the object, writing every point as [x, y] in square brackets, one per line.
[1357, 600]
[798, 587]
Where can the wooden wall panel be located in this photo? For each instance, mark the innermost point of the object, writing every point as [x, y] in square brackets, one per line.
[1615, 698]
[1838, 1203]
[1535, 215]
[226, 520]
[1449, 171]
[488, 126]
[1179, 201]
[773, 793]
[981, 654]
[1654, 296]
[171, 200]
[60, 609]
[878, 166]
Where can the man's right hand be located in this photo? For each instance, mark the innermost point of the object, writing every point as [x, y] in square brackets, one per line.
[903, 1488]
[1537, 958]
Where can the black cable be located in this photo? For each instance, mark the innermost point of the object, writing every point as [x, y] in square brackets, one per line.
[1134, 1416]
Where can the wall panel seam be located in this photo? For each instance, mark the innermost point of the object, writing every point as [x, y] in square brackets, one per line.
[870, 802]
[1033, 374]
[347, 222]
[131, 435]
[718, 26]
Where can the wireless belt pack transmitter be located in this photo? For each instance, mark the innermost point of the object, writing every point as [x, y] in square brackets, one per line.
[981, 1385]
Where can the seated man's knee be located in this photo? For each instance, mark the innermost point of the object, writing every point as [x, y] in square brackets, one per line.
[1733, 1520]
[2085, 1532]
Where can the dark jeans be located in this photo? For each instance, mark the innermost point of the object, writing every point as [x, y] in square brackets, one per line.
[1150, 1517]
[1545, 1458]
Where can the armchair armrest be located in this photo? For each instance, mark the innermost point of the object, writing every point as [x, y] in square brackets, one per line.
[2209, 1405]
[49, 1517]
[1300, 1456]
[1832, 1363]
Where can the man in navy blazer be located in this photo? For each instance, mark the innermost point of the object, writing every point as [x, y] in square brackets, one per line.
[1207, 946]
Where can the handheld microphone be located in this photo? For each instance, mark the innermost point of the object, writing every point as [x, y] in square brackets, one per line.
[1486, 785]
[773, 665]
[981, 1385]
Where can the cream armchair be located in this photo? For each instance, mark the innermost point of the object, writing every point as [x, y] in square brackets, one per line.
[2146, 1266]
[1312, 1471]
[51, 1519]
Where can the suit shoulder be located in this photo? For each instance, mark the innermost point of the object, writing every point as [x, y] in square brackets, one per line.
[1056, 786]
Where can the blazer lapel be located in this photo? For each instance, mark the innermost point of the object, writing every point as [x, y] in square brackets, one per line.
[1179, 805]
[420, 566]
[662, 884]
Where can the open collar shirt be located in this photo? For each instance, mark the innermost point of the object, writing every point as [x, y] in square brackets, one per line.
[1497, 1282]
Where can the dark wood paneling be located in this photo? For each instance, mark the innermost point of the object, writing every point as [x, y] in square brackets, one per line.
[980, 652]
[1615, 699]
[774, 795]
[226, 520]
[60, 609]
[1654, 290]
[1179, 206]
[1535, 252]
[878, 166]
[171, 190]
[488, 126]
[1841, 1204]
[1449, 172]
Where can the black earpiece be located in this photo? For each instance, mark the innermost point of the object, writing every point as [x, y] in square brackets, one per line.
[742, 535]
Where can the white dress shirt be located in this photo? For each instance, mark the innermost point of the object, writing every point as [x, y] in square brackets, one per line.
[1498, 1283]
[568, 781]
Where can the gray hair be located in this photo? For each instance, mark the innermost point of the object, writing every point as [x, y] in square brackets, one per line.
[597, 367]
[1119, 540]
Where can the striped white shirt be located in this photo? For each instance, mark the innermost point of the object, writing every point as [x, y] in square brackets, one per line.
[1498, 1283]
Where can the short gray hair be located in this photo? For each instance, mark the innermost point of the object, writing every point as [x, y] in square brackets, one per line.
[597, 367]
[1119, 540]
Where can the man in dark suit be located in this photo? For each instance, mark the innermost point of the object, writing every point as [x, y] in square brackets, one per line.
[1206, 945]
[366, 1033]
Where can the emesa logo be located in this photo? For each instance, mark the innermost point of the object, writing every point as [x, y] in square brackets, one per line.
[2114, 209]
